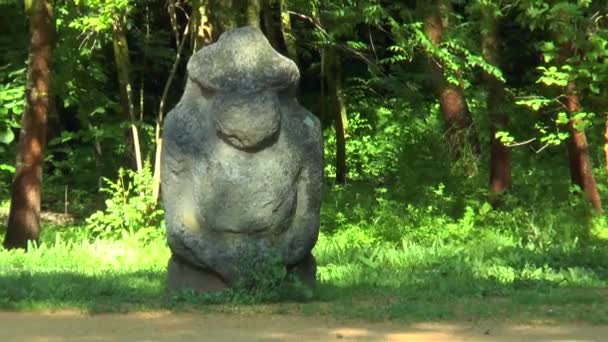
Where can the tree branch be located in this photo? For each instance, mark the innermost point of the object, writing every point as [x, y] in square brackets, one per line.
[521, 143]
[315, 22]
[178, 55]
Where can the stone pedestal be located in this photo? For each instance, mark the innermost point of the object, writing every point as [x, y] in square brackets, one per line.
[182, 276]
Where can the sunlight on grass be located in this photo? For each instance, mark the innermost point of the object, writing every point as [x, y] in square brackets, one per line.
[110, 275]
[88, 257]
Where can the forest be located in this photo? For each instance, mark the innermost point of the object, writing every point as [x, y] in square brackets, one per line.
[465, 144]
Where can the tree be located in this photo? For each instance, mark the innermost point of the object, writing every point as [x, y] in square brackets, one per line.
[24, 214]
[460, 127]
[248, 12]
[331, 87]
[332, 76]
[272, 15]
[229, 14]
[581, 169]
[123, 69]
[500, 155]
[572, 56]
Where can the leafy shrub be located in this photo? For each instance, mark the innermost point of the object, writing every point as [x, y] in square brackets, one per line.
[373, 146]
[130, 210]
[12, 103]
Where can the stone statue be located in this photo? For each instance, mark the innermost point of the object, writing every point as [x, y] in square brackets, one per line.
[242, 168]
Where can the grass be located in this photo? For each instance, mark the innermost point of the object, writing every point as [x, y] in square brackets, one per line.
[379, 257]
[488, 279]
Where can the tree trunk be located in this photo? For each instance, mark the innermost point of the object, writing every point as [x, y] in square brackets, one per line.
[606, 145]
[581, 169]
[230, 14]
[460, 128]
[272, 12]
[248, 12]
[221, 16]
[123, 69]
[24, 214]
[333, 78]
[500, 155]
[226, 15]
[277, 25]
[289, 35]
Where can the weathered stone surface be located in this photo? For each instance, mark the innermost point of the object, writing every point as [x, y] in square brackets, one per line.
[242, 162]
[242, 61]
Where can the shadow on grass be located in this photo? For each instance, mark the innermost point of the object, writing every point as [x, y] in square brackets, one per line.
[448, 288]
[510, 283]
[64, 290]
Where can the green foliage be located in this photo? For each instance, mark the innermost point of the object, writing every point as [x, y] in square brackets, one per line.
[130, 210]
[456, 53]
[375, 136]
[552, 76]
[388, 220]
[267, 281]
[13, 58]
[12, 103]
[83, 82]
[102, 14]
[573, 54]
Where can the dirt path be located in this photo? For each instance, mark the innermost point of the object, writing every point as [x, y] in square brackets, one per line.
[160, 327]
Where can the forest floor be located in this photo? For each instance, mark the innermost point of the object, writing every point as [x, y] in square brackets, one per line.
[167, 326]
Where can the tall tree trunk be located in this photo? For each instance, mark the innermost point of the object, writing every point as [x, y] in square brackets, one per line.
[248, 12]
[123, 69]
[333, 78]
[460, 128]
[606, 145]
[221, 15]
[500, 155]
[24, 214]
[274, 22]
[581, 169]
[272, 12]
[229, 14]
[289, 35]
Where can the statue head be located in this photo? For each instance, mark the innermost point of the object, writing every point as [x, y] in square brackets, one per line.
[243, 75]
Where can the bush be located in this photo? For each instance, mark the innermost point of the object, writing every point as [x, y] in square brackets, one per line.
[373, 147]
[131, 209]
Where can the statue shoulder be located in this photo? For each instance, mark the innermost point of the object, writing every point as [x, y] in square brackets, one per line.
[307, 129]
[185, 126]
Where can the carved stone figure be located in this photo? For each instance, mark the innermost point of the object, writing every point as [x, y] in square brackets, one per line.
[242, 168]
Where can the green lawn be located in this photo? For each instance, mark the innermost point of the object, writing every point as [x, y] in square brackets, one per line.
[489, 278]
